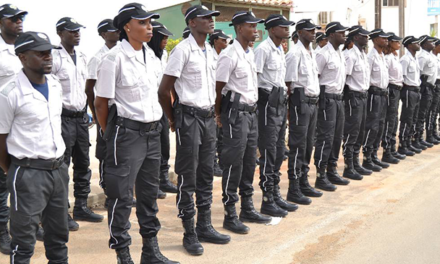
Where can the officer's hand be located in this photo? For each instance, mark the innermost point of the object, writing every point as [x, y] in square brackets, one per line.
[218, 120]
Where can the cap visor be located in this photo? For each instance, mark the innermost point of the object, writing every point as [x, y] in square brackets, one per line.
[74, 27]
[342, 29]
[146, 15]
[286, 23]
[209, 13]
[21, 12]
[223, 36]
[364, 32]
[164, 31]
[45, 47]
[255, 21]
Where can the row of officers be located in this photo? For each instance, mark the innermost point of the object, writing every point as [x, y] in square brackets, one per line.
[328, 98]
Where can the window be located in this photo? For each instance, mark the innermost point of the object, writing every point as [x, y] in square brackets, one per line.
[324, 18]
[390, 2]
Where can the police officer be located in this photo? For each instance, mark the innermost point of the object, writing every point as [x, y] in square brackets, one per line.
[31, 150]
[157, 45]
[303, 83]
[272, 98]
[191, 72]
[236, 113]
[331, 70]
[394, 88]
[110, 34]
[11, 25]
[321, 41]
[185, 32]
[431, 119]
[409, 95]
[70, 66]
[355, 98]
[428, 74]
[377, 101]
[295, 37]
[127, 80]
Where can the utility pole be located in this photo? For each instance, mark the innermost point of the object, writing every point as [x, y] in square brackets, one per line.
[401, 23]
[378, 14]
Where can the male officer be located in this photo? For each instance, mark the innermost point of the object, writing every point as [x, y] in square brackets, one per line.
[377, 101]
[303, 83]
[331, 70]
[70, 66]
[190, 74]
[272, 97]
[236, 113]
[321, 41]
[11, 25]
[431, 118]
[31, 151]
[186, 33]
[428, 75]
[355, 98]
[410, 94]
[295, 37]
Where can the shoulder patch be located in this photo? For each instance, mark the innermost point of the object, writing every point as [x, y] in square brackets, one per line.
[111, 57]
[8, 88]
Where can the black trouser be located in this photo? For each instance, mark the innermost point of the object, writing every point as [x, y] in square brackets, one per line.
[132, 160]
[271, 141]
[38, 196]
[219, 146]
[422, 109]
[329, 132]
[431, 117]
[375, 122]
[195, 141]
[354, 126]
[75, 132]
[165, 144]
[100, 154]
[389, 134]
[302, 128]
[410, 98]
[4, 209]
[238, 155]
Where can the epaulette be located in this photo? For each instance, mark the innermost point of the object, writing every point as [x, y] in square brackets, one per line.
[5, 90]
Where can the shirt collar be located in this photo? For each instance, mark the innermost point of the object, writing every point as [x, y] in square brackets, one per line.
[272, 44]
[410, 55]
[240, 51]
[6, 46]
[25, 85]
[331, 48]
[303, 49]
[128, 49]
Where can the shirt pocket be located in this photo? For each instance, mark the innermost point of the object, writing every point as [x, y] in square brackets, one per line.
[357, 68]
[195, 75]
[241, 76]
[129, 77]
[376, 69]
[331, 66]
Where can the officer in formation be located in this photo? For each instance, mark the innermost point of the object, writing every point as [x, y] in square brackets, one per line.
[321, 41]
[334, 100]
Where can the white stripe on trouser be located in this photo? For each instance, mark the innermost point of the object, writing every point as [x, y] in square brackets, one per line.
[371, 103]
[227, 184]
[366, 139]
[265, 114]
[111, 222]
[403, 133]
[102, 174]
[264, 168]
[294, 164]
[349, 104]
[180, 197]
[322, 151]
[407, 93]
[296, 113]
[178, 136]
[345, 144]
[325, 115]
[14, 252]
[230, 129]
[114, 145]
[15, 188]
[386, 134]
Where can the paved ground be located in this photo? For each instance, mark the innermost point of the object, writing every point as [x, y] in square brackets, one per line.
[389, 217]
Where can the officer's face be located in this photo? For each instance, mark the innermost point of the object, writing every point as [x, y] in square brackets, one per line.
[428, 45]
[395, 45]
[381, 42]
[202, 25]
[414, 46]
[307, 35]
[437, 49]
[362, 40]
[221, 43]
[39, 62]
[139, 30]
[70, 38]
[12, 25]
[323, 42]
[248, 31]
[339, 37]
[164, 42]
[280, 32]
[111, 36]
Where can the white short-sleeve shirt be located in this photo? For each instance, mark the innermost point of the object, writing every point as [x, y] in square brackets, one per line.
[10, 64]
[428, 65]
[394, 69]
[379, 69]
[92, 66]
[410, 69]
[331, 68]
[32, 122]
[358, 70]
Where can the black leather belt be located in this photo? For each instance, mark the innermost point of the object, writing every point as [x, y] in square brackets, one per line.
[39, 164]
[362, 95]
[247, 108]
[377, 91]
[311, 100]
[395, 87]
[136, 125]
[334, 96]
[437, 81]
[411, 88]
[195, 111]
[74, 114]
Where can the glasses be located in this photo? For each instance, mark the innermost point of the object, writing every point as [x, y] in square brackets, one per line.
[14, 19]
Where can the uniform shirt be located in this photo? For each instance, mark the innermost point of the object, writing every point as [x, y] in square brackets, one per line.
[379, 69]
[438, 66]
[428, 65]
[236, 67]
[216, 56]
[92, 67]
[32, 122]
[358, 70]
[159, 64]
[10, 65]
[271, 65]
[302, 70]
[394, 69]
[331, 67]
[130, 83]
[410, 69]
[195, 72]
[346, 52]
[317, 49]
[72, 78]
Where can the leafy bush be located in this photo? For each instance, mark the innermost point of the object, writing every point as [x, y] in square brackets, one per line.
[172, 43]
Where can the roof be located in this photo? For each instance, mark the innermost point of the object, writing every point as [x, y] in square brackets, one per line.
[273, 3]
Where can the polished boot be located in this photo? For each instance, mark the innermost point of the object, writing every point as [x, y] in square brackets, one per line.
[151, 253]
[269, 207]
[190, 240]
[378, 162]
[388, 157]
[358, 167]
[349, 171]
[249, 214]
[123, 256]
[231, 221]
[295, 195]
[334, 177]
[218, 172]
[206, 232]
[369, 164]
[322, 181]
[426, 144]
[432, 140]
[5, 240]
[83, 213]
[306, 188]
[73, 226]
[289, 207]
[413, 148]
[165, 184]
[161, 194]
[396, 154]
[416, 144]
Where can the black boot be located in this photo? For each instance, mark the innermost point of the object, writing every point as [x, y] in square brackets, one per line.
[369, 164]
[306, 188]
[403, 150]
[206, 232]
[334, 177]
[413, 148]
[40, 233]
[322, 181]
[416, 144]
[161, 194]
[350, 172]
[190, 240]
[432, 140]
[151, 253]
[269, 207]
[396, 154]
[5, 240]
[426, 144]
[295, 195]
[388, 157]
[289, 207]
[73, 226]
[378, 162]
[83, 213]
[358, 167]
[123, 256]
[436, 135]
[249, 214]
[217, 169]
[231, 221]
[166, 185]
